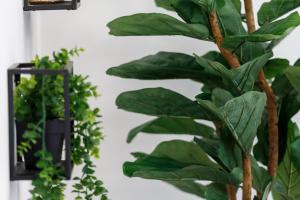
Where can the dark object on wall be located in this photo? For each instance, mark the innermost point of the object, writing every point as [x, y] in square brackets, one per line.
[57, 131]
[61, 5]
[54, 139]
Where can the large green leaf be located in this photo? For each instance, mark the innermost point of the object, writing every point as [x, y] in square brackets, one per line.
[164, 4]
[273, 9]
[223, 150]
[160, 102]
[191, 12]
[293, 74]
[216, 191]
[275, 67]
[146, 24]
[261, 177]
[271, 31]
[176, 161]
[172, 125]
[288, 178]
[242, 78]
[242, 115]
[295, 152]
[163, 65]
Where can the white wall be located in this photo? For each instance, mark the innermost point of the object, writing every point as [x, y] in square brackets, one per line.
[87, 28]
[15, 46]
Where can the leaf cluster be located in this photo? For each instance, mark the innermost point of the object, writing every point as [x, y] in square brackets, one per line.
[38, 99]
[229, 98]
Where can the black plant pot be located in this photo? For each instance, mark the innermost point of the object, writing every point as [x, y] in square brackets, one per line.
[54, 138]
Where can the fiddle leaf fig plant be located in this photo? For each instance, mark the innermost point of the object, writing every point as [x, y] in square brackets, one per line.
[40, 99]
[249, 94]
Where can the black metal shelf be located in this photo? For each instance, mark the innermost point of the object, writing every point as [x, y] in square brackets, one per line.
[65, 5]
[20, 173]
[17, 166]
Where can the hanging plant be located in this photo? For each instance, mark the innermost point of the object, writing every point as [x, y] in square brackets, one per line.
[248, 94]
[39, 114]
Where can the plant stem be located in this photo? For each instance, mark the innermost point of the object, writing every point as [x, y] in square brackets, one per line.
[247, 174]
[271, 102]
[43, 115]
[231, 192]
[233, 62]
[230, 57]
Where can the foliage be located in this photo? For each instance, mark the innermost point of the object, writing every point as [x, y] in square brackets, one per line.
[230, 98]
[39, 99]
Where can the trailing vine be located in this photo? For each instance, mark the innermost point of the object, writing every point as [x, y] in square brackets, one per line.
[38, 99]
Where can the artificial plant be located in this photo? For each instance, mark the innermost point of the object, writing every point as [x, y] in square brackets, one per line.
[249, 95]
[38, 99]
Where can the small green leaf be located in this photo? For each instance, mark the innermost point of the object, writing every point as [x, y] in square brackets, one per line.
[287, 183]
[164, 4]
[242, 78]
[242, 115]
[275, 67]
[293, 75]
[269, 32]
[274, 9]
[295, 152]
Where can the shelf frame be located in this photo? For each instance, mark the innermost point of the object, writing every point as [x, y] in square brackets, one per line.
[17, 169]
[65, 5]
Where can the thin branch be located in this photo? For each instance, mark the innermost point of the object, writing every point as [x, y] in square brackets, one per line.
[247, 174]
[231, 58]
[271, 102]
[231, 192]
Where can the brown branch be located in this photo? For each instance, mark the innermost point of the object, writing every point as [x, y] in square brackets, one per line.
[271, 102]
[231, 58]
[247, 174]
[233, 62]
[231, 192]
[250, 16]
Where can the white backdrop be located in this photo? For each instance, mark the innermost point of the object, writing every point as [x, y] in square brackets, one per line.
[87, 28]
[15, 46]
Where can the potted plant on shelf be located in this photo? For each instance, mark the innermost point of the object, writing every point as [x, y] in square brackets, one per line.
[39, 114]
[249, 95]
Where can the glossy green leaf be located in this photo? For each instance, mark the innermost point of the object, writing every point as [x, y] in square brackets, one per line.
[242, 78]
[191, 11]
[261, 177]
[164, 4]
[216, 192]
[269, 32]
[293, 74]
[182, 151]
[160, 102]
[287, 183]
[163, 65]
[295, 152]
[274, 9]
[172, 125]
[176, 161]
[220, 96]
[275, 67]
[153, 24]
[242, 115]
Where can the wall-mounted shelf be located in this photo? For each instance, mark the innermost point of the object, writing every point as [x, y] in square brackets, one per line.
[18, 170]
[64, 5]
